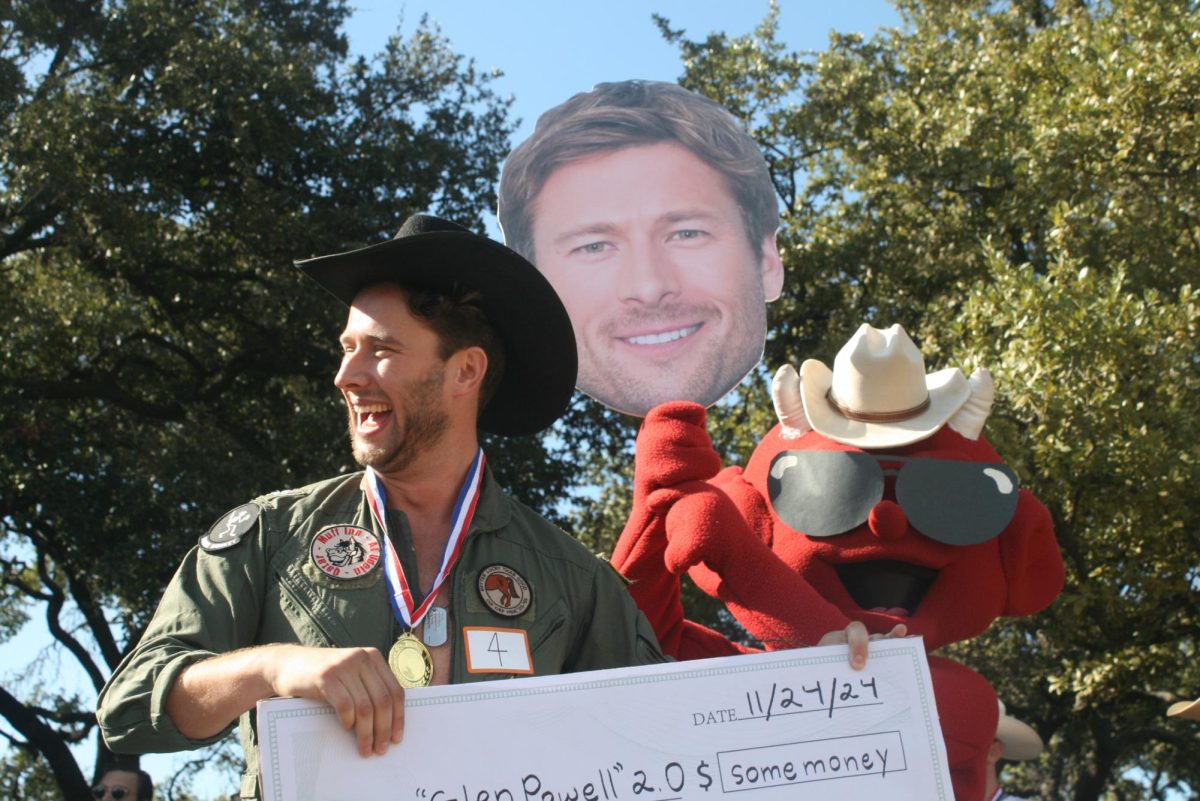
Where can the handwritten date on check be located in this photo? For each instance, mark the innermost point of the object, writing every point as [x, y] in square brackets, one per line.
[777, 726]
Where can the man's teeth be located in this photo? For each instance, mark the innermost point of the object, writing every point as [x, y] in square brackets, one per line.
[374, 408]
[666, 336]
[366, 412]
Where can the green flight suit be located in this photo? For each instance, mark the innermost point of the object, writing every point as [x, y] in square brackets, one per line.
[266, 587]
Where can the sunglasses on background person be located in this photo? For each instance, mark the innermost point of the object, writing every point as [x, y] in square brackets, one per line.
[116, 792]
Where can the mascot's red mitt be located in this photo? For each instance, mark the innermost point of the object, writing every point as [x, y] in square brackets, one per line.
[874, 499]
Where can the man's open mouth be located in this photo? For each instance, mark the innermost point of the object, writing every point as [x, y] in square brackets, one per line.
[368, 416]
[896, 588]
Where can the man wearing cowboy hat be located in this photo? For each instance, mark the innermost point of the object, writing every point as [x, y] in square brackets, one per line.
[349, 589]
[1015, 740]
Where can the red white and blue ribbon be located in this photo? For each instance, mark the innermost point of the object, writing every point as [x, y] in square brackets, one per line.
[464, 509]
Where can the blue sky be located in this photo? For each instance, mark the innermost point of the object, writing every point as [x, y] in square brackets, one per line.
[547, 51]
[550, 50]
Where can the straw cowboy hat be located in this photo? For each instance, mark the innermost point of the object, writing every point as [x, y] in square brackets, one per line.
[539, 344]
[1019, 739]
[1185, 709]
[878, 395]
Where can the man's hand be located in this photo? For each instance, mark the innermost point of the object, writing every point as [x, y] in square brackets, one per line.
[209, 695]
[356, 682]
[855, 635]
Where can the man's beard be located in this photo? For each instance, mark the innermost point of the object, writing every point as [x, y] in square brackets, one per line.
[418, 427]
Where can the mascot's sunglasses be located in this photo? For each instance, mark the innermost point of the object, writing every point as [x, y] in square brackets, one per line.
[825, 493]
[116, 793]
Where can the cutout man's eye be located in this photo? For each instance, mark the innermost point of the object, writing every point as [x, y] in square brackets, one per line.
[592, 248]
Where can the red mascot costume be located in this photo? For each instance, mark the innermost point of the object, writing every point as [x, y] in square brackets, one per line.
[875, 498]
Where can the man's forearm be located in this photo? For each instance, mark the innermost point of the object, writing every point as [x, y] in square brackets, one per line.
[356, 682]
[209, 695]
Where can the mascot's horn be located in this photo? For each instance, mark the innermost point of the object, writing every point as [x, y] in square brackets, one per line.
[971, 416]
[785, 392]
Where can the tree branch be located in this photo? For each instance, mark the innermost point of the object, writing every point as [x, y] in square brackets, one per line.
[47, 742]
[22, 237]
[54, 609]
[38, 389]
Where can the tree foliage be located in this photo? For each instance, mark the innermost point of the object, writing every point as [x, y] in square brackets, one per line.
[162, 162]
[1018, 184]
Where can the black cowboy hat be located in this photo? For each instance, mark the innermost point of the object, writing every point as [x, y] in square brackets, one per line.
[539, 344]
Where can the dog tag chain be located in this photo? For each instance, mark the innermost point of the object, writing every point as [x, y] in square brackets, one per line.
[409, 657]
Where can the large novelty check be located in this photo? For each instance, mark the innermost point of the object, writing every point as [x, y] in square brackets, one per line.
[785, 725]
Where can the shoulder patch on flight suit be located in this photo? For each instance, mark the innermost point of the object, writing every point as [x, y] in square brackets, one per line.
[229, 530]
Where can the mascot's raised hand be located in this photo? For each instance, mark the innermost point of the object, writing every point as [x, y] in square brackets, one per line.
[875, 499]
[689, 516]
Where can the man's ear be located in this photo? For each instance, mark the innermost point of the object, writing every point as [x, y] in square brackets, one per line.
[772, 268]
[465, 370]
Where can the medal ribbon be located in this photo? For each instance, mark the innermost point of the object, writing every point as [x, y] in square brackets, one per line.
[464, 509]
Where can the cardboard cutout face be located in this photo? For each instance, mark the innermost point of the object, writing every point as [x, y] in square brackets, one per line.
[646, 237]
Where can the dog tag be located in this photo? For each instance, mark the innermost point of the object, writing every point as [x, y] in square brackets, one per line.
[435, 631]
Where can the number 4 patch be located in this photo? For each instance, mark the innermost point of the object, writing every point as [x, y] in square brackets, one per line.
[497, 650]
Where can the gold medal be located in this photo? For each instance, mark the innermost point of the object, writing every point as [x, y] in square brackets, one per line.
[410, 661]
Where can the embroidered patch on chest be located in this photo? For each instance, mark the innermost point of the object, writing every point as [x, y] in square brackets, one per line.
[345, 552]
[504, 590]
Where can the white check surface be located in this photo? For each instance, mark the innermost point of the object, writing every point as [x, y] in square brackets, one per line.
[783, 725]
